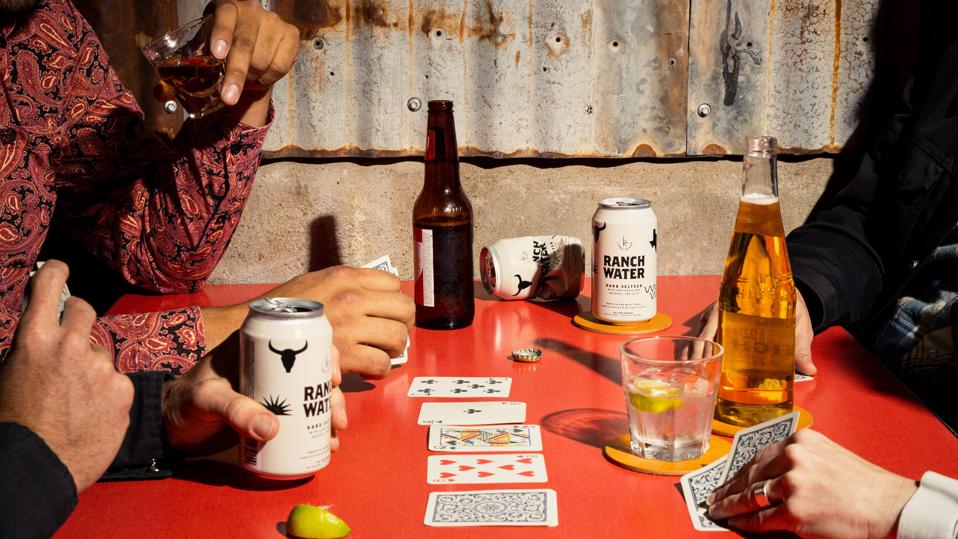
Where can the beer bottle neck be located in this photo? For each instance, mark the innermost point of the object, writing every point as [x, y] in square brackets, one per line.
[760, 174]
[442, 152]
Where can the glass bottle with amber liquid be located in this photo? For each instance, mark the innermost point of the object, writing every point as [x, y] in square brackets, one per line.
[757, 301]
[442, 231]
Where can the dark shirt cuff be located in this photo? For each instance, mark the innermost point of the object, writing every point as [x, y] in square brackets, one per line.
[37, 491]
[143, 454]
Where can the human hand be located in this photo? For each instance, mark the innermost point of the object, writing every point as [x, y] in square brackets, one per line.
[258, 46]
[203, 413]
[817, 488]
[371, 318]
[59, 386]
[708, 327]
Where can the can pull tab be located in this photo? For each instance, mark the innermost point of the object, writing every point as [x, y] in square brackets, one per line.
[280, 306]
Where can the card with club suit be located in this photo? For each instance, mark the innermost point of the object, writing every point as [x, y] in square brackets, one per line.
[472, 413]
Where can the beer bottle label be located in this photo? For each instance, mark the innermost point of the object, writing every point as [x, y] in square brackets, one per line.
[423, 260]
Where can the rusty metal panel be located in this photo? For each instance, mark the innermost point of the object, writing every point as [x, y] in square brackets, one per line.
[529, 77]
[795, 69]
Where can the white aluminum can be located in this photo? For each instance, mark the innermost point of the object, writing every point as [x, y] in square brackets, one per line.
[286, 349]
[623, 261]
[542, 267]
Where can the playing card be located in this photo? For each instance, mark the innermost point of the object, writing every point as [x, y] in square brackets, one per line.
[493, 508]
[748, 442]
[485, 438]
[799, 377]
[472, 413]
[696, 487]
[472, 469]
[383, 263]
[451, 386]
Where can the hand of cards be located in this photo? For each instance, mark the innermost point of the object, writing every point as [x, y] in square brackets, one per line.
[697, 485]
[383, 263]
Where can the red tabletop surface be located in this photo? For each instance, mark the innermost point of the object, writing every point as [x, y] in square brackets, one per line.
[377, 480]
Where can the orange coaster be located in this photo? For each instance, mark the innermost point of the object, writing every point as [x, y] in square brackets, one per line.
[725, 429]
[657, 323]
[620, 452]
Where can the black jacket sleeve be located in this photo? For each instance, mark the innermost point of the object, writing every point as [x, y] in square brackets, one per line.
[854, 257]
[37, 492]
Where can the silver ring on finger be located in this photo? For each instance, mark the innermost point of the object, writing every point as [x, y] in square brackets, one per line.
[760, 495]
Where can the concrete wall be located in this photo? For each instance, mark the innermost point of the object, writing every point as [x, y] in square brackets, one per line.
[306, 216]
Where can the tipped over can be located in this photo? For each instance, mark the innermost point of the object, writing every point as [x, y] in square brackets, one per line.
[533, 267]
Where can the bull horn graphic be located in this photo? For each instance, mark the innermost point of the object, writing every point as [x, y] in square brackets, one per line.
[288, 355]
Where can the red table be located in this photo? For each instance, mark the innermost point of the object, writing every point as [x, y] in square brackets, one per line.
[377, 481]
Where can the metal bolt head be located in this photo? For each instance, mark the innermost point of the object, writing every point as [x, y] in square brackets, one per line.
[318, 43]
[704, 110]
[170, 107]
[414, 104]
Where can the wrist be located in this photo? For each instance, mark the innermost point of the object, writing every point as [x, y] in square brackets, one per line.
[888, 514]
[252, 108]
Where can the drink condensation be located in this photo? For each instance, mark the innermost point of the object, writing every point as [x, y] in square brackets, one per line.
[286, 348]
[625, 244]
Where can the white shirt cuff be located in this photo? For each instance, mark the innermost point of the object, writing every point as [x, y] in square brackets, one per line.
[932, 513]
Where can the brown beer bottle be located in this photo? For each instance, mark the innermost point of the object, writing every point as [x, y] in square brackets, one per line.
[442, 231]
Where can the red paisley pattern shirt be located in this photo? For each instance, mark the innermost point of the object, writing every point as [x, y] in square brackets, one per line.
[160, 213]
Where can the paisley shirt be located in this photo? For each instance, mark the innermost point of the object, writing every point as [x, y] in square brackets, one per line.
[161, 213]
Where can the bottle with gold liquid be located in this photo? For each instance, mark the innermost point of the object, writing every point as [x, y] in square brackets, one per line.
[757, 301]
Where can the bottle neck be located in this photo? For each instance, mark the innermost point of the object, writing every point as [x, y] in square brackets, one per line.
[760, 175]
[442, 151]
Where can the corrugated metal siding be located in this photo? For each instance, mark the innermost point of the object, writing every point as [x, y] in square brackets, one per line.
[561, 78]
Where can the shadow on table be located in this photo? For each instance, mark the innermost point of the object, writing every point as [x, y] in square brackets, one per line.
[353, 382]
[223, 470]
[609, 367]
[591, 426]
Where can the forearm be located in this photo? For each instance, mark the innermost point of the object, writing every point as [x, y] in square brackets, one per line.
[221, 322]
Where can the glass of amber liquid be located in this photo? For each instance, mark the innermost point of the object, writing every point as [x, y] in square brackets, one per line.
[185, 64]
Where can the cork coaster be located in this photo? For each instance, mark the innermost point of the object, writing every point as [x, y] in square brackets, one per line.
[722, 428]
[658, 322]
[618, 451]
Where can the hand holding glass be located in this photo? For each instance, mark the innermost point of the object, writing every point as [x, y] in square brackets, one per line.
[670, 398]
[185, 63]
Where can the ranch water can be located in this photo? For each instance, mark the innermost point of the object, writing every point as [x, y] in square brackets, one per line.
[286, 348]
[623, 261]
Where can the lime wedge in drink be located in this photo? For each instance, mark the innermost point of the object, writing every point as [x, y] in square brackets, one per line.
[653, 396]
[311, 522]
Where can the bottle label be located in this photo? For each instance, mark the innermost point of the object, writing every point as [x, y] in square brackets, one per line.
[430, 145]
[423, 260]
[758, 345]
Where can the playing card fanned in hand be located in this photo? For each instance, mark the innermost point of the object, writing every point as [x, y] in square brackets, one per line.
[485, 438]
[383, 263]
[472, 413]
[473, 469]
[462, 387]
[493, 508]
[697, 485]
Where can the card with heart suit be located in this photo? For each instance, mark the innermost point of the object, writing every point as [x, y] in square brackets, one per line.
[383, 263]
[474, 469]
[485, 438]
[459, 387]
[492, 508]
[472, 413]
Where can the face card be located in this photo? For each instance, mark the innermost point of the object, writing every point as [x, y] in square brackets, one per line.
[472, 413]
[493, 508]
[475, 469]
[799, 377]
[459, 387]
[696, 487]
[384, 264]
[750, 441]
[485, 438]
